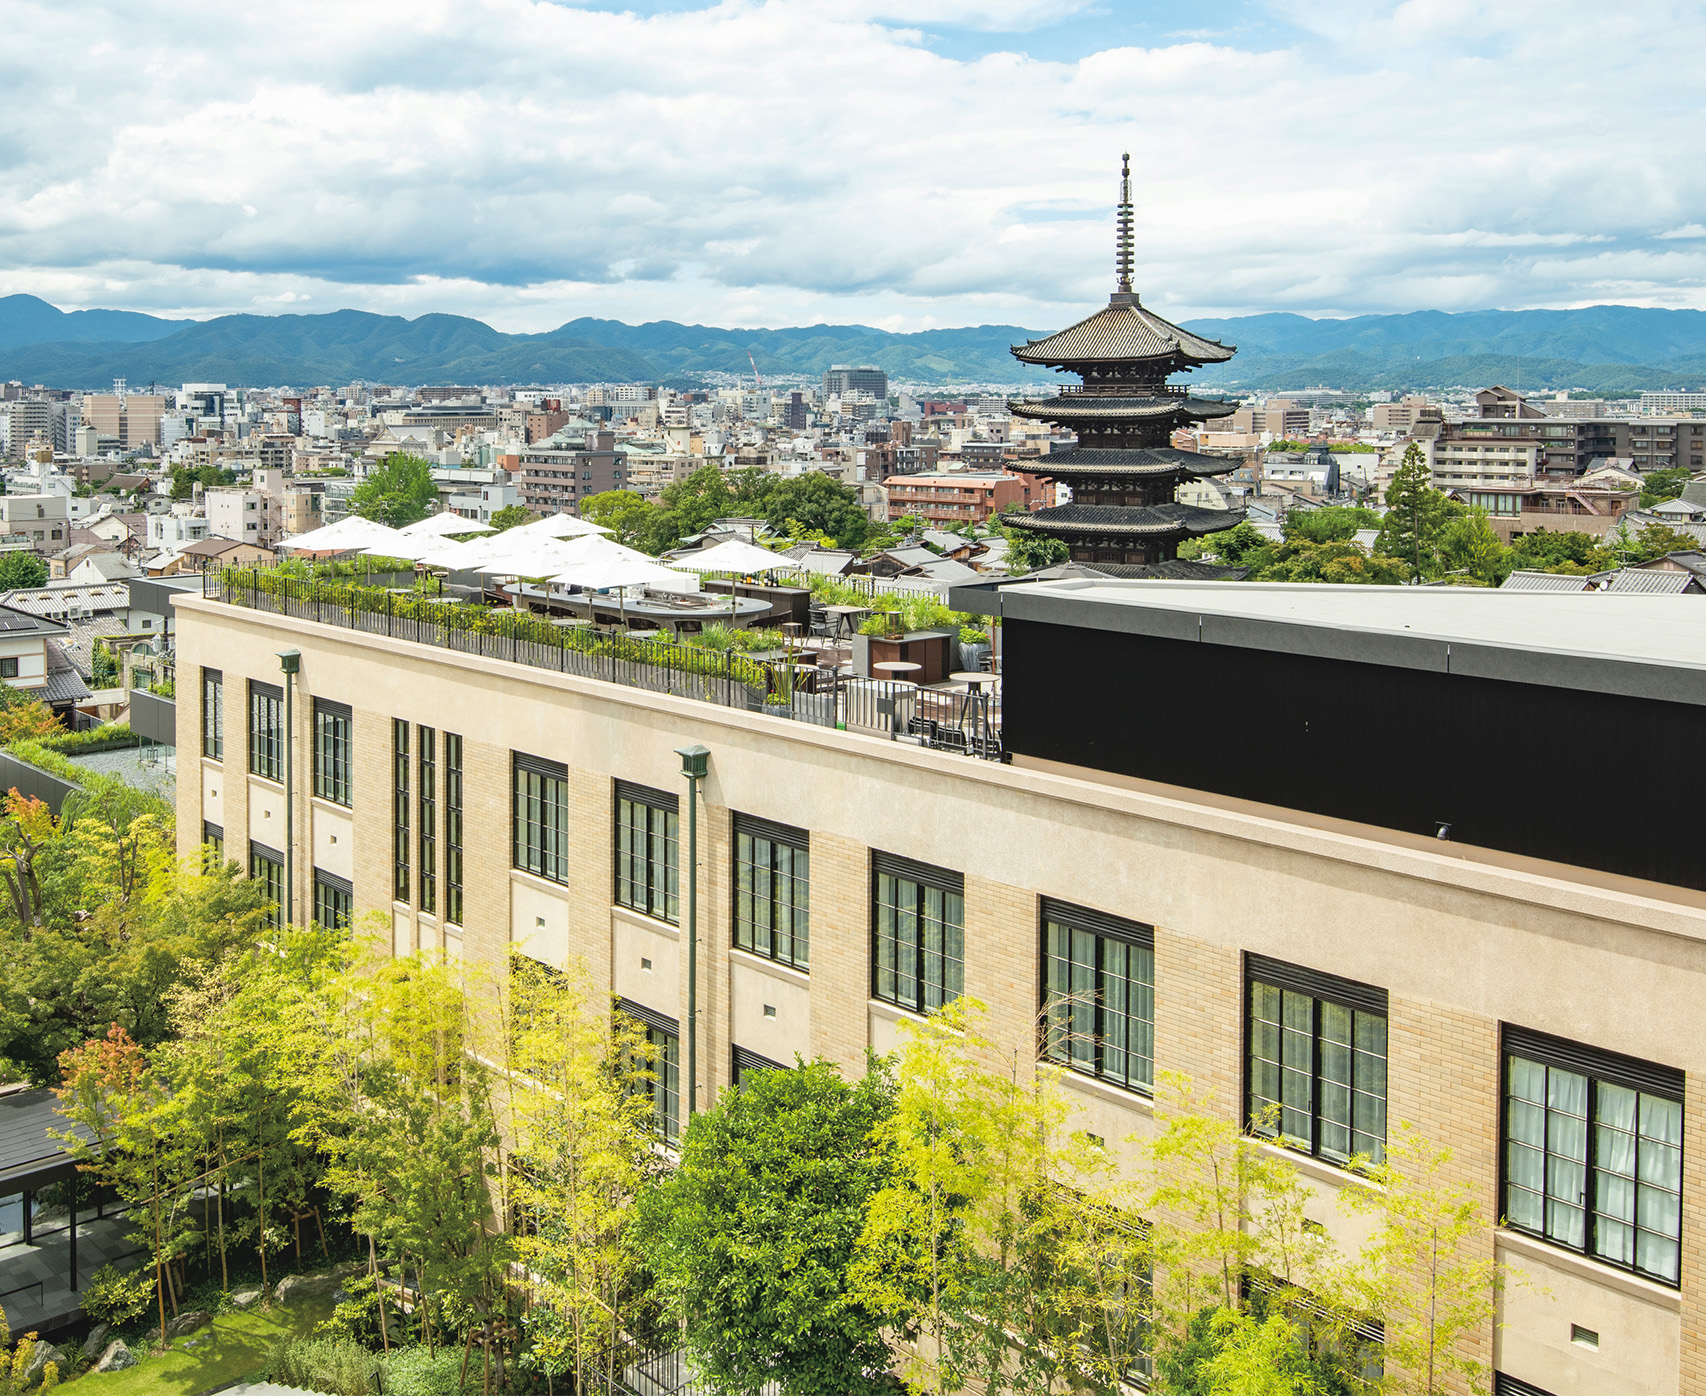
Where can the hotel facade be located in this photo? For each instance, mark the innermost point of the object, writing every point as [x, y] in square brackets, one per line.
[1539, 1017]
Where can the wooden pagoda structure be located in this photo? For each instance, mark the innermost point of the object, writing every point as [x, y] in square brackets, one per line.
[1124, 473]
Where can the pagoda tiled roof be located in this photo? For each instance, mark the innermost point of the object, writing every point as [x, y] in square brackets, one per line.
[1130, 520]
[1069, 407]
[1148, 460]
[1124, 331]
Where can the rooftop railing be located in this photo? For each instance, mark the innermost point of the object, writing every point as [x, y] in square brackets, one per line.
[962, 723]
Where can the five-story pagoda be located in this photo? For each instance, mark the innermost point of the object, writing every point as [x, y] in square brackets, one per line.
[1124, 474]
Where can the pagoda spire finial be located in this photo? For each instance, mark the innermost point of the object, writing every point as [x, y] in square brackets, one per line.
[1123, 240]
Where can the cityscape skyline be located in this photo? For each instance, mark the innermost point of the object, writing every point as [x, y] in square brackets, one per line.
[527, 163]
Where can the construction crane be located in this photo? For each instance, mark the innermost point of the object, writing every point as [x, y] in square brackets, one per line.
[757, 378]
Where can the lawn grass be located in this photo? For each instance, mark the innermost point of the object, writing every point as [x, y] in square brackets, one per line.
[231, 1347]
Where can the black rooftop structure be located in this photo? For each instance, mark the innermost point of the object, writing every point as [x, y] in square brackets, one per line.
[1124, 474]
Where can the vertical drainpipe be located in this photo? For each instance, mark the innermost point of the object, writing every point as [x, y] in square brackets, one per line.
[290, 661]
[695, 761]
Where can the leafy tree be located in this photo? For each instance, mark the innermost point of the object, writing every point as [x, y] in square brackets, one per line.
[1469, 545]
[23, 718]
[1660, 485]
[1416, 516]
[512, 516]
[687, 506]
[1233, 546]
[19, 571]
[1656, 540]
[1577, 554]
[1431, 1276]
[398, 491]
[1336, 523]
[628, 515]
[1342, 562]
[582, 1146]
[753, 1237]
[819, 503]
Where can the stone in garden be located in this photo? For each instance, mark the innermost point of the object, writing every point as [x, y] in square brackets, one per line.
[40, 1355]
[295, 1289]
[116, 1358]
[96, 1340]
[186, 1322]
[244, 1298]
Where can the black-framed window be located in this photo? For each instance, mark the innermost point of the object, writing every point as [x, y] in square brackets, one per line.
[648, 840]
[746, 1064]
[213, 714]
[332, 751]
[427, 748]
[334, 900]
[213, 838]
[1592, 1156]
[660, 1081]
[1506, 1385]
[541, 818]
[1099, 994]
[266, 730]
[400, 809]
[918, 933]
[1316, 1077]
[266, 866]
[453, 828]
[772, 890]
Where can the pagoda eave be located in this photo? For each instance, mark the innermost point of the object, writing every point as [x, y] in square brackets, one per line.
[1115, 521]
[1086, 408]
[1103, 463]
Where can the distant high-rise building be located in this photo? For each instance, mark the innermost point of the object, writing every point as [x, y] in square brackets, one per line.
[839, 380]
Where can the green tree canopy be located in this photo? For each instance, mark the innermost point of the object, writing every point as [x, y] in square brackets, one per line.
[21, 570]
[1660, 485]
[398, 491]
[1332, 524]
[1578, 554]
[819, 504]
[512, 516]
[752, 1237]
[629, 515]
[1468, 545]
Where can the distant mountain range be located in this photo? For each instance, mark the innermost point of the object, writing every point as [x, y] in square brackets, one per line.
[1604, 348]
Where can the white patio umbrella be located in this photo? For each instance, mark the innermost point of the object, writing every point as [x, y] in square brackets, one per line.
[602, 571]
[733, 555]
[561, 526]
[348, 535]
[446, 525]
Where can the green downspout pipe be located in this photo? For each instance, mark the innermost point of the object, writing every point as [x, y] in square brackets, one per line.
[695, 761]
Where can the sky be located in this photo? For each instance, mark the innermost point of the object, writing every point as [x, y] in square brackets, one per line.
[907, 164]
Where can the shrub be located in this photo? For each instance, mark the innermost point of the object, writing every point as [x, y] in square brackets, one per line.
[970, 635]
[113, 1297]
[337, 1367]
[50, 1376]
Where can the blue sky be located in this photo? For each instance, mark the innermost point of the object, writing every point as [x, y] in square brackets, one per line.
[905, 164]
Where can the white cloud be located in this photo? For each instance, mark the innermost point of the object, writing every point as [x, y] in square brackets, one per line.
[782, 161]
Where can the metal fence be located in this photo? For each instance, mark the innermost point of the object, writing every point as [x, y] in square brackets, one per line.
[965, 723]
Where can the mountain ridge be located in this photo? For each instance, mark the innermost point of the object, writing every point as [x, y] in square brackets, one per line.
[1606, 348]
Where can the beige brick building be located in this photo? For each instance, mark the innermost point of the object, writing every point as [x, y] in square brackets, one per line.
[543, 818]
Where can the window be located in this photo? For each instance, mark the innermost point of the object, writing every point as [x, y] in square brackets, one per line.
[747, 1063]
[1593, 1152]
[453, 828]
[659, 1076]
[332, 751]
[213, 714]
[266, 730]
[541, 817]
[1099, 994]
[429, 819]
[1317, 1061]
[647, 835]
[400, 808]
[918, 926]
[334, 900]
[772, 882]
[213, 839]
[266, 866]
[1506, 1385]
[9, 667]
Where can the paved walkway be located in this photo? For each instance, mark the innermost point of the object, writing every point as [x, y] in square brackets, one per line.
[35, 1280]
